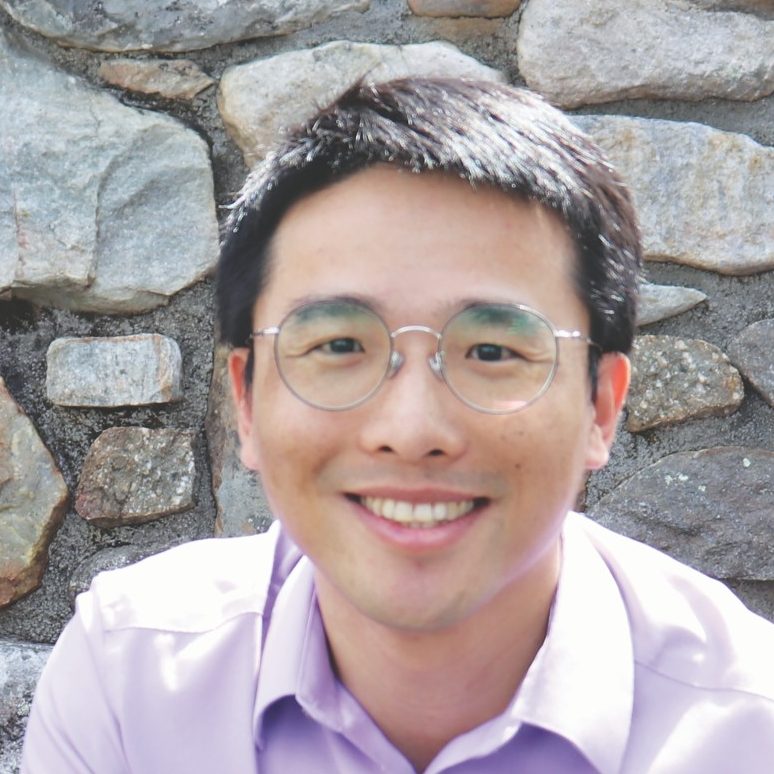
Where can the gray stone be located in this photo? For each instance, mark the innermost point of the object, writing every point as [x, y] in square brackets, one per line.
[483, 8]
[33, 500]
[132, 475]
[242, 508]
[91, 214]
[158, 25]
[8, 245]
[657, 302]
[257, 100]
[704, 197]
[113, 371]
[711, 509]
[752, 352]
[602, 50]
[20, 668]
[172, 79]
[676, 379]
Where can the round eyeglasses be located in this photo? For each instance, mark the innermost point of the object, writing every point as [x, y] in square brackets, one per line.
[496, 358]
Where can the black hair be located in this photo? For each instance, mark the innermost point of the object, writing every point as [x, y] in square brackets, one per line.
[489, 134]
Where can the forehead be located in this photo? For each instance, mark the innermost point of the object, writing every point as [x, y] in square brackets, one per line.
[400, 236]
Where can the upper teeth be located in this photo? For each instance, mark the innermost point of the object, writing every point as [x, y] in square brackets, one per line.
[419, 514]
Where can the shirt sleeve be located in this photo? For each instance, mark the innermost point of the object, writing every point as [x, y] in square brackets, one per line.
[72, 729]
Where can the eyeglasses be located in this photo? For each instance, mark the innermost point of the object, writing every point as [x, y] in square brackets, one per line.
[496, 358]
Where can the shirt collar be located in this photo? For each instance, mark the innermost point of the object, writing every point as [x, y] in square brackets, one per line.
[580, 686]
[581, 683]
[286, 643]
[295, 664]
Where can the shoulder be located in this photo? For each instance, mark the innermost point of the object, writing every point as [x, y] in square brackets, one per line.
[195, 586]
[168, 649]
[687, 629]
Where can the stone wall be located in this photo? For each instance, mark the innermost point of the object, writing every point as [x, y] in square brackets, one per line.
[123, 134]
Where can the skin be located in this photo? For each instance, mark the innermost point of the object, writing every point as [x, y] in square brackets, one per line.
[405, 609]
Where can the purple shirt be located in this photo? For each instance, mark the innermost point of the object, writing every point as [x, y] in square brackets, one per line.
[212, 658]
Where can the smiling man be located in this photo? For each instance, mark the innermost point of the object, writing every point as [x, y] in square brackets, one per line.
[430, 292]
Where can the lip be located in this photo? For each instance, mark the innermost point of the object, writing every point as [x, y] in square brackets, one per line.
[417, 540]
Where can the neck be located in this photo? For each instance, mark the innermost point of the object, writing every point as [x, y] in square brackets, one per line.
[423, 689]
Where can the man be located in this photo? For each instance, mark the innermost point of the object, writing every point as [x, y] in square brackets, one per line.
[430, 291]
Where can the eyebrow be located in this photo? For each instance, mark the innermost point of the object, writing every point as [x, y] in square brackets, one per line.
[450, 308]
[343, 298]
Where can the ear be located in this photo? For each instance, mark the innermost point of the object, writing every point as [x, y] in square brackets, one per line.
[613, 375]
[242, 396]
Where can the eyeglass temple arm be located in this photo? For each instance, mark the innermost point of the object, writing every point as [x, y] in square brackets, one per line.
[273, 331]
[578, 336]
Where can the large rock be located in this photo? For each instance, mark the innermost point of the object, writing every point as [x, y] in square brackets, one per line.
[134, 474]
[20, 668]
[169, 78]
[158, 25]
[711, 509]
[33, 499]
[676, 379]
[113, 371]
[580, 53]
[260, 98]
[704, 197]
[752, 352]
[483, 8]
[242, 508]
[102, 207]
[657, 302]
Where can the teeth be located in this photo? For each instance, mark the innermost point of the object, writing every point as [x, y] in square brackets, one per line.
[417, 514]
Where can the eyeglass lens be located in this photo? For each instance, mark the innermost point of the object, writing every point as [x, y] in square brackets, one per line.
[495, 357]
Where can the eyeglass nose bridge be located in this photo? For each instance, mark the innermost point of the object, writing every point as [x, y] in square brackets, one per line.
[435, 361]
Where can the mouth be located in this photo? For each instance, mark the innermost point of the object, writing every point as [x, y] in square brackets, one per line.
[418, 515]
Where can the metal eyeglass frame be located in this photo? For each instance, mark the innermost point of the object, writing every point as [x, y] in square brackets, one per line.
[435, 361]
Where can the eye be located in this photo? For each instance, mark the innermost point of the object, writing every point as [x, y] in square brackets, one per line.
[341, 346]
[491, 353]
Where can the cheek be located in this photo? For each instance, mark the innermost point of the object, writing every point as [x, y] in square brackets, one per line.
[546, 441]
[294, 442]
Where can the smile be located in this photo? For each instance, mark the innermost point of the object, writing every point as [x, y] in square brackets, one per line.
[418, 514]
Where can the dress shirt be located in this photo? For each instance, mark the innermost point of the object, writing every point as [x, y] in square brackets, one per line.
[212, 657]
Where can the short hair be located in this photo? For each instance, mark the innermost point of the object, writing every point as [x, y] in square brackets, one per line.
[486, 133]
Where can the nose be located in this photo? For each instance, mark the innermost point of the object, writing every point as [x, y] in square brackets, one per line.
[414, 416]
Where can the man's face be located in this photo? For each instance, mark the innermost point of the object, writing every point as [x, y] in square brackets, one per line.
[418, 248]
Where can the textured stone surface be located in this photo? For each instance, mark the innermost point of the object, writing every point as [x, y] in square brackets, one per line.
[485, 8]
[676, 379]
[752, 352]
[260, 98]
[657, 302]
[20, 668]
[170, 78]
[33, 499]
[241, 504]
[159, 25]
[90, 214]
[580, 53]
[134, 474]
[113, 371]
[712, 509]
[704, 197]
